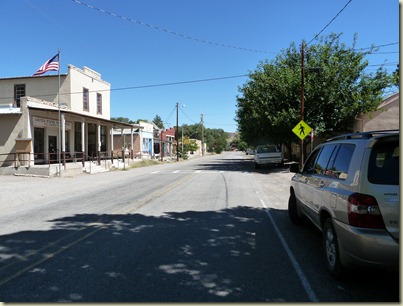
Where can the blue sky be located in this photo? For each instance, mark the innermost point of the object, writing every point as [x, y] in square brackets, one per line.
[148, 48]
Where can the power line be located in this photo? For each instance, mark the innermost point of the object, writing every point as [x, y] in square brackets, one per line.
[385, 64]
[166, 30]
[207, 41]
[187, 116]
[330, 22]
[169, 117]
[380, 46]
[182, 82]
[391, 52]
[146, 86]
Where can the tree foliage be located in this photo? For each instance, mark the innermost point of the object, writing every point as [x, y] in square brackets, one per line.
[123, 120]
[215, 139]
[396, 79]
[238, 143]
[189, 145]
[158, 122]
[269, 105]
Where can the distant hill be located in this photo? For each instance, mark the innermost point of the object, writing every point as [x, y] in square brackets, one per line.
[231, 136]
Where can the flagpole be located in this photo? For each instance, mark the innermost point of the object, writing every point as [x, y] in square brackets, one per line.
[58, 108]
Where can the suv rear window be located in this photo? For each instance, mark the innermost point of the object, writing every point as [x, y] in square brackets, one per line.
[383, 165]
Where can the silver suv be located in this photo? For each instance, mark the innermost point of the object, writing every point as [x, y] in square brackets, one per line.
[349, 189]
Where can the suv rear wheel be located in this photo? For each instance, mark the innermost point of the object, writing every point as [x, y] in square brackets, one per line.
[331, 250]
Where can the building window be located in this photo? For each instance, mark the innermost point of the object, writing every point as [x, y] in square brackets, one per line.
[86, 106]
[19, 91]
[99, 103]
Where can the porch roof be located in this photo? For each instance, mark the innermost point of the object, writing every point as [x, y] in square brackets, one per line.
[10, 111]
[38, 104]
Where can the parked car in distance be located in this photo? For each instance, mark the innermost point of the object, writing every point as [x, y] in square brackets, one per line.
[268, 155]
[250, 151]
[349, 189]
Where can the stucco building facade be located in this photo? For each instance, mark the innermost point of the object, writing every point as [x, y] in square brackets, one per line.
[385, 118]
[30, 110]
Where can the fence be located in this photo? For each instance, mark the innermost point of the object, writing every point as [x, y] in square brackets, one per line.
[23, 159]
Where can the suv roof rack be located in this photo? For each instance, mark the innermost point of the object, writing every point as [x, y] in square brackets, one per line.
[362, 135]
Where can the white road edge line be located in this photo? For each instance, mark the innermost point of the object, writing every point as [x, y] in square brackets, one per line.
[305, 283]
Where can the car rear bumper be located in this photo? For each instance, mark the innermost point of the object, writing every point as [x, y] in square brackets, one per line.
[367, 247]
[269, 161]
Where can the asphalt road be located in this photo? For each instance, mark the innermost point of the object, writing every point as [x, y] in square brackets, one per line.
[211, 229]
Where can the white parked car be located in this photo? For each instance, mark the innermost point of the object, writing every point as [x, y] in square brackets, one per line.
[268, 155]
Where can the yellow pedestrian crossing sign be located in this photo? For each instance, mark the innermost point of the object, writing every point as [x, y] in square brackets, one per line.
[302, 129]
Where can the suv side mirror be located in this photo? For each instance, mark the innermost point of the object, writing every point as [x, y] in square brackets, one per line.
[294, 168]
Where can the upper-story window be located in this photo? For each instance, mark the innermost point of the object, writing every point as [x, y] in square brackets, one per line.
[19, 91]
[86, 104]
[99, 103]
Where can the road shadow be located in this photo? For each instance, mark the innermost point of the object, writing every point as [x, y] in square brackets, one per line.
[231, 255]
[191, 256]
[239, 165]
[234, 164]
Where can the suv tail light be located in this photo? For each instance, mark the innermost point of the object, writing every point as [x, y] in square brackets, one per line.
[363, 211]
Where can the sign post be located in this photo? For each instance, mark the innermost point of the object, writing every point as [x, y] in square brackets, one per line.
[302, 129]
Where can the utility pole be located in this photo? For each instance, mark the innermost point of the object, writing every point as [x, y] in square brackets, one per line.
[161, 147]
[202, 124]
[302, 98]
[177, 133]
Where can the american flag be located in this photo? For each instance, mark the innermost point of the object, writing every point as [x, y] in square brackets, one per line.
[52, 64]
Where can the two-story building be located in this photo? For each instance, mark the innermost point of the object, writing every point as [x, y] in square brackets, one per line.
[32, 106]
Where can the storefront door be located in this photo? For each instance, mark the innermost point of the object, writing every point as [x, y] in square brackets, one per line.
[39, 145]
[52, 148]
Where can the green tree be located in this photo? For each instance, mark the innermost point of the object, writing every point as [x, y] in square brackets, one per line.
[396, 79]
[138, 120]
[188, 145]
[240, 144]
[269, 105]
[158, 122]
[193, 131]
[123, 120]
[215, 139]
